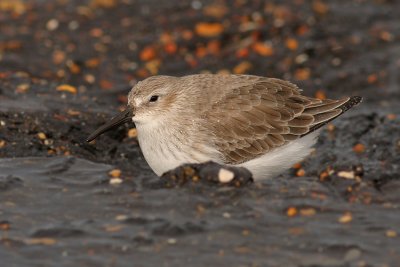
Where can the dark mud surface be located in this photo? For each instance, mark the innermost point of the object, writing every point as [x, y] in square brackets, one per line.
[61, 206]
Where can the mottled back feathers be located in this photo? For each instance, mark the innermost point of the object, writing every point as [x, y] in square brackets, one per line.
[261, 114]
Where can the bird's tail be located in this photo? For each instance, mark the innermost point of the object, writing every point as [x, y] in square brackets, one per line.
[328, 110]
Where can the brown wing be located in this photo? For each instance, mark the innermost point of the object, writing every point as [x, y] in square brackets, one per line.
[265, 114]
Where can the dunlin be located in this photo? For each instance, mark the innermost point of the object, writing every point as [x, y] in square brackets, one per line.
[262, 124]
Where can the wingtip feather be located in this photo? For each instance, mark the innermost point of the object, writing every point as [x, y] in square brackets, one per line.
[353, 101]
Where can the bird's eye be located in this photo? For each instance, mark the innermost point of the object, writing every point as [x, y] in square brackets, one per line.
[153, 98]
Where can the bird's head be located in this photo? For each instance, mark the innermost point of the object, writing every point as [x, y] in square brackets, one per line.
[153, 98]
[149, 100]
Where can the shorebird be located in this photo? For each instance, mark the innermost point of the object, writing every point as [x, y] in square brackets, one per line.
[263, 124]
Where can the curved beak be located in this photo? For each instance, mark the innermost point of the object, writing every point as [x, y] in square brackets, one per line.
[121, 118]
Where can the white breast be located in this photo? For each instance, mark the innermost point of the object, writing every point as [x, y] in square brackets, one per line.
[165, 149]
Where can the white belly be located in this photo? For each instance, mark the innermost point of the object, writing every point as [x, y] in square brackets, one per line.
[281, 159]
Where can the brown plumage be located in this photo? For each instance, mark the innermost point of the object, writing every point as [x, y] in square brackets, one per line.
[264, 114]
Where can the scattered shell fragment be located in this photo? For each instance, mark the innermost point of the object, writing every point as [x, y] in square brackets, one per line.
[4, 225]
[172, 241]
[320, 95]
[226, 215]
[41, 136]
[292, 211]
[352, 255]
[73, 112]
[115, 181]
[67, 88]
[331, 127]
[308, 212]
[346, 218]
[300, 172]
[132, 133]
[52, 24]
[113, 228]
[242, 67]
[115, 173]
[245, 232]
[209, 29]
[302, 74]
[121, 217]
[225, 176]
[263, 49]
[300, 59]
[346, 174]
[22, 88]
[391, 233]
[292, 44]
[359, 148]
[297, 166]
[40, 241]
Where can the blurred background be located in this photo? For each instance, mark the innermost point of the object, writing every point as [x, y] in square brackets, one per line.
[66, 67]
[332, 48]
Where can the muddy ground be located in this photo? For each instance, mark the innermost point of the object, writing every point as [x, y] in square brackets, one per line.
[66, 67]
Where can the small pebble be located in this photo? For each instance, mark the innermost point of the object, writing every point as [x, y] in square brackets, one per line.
[48, 142]
[226, 215]
[346, 218]
[352, 255]
[300, 172]
[52, 24]
[391, 233]
[73, 25]
[132, 133]
[346, 174]
[292, 211]
[171, 241]
[115, 181]
[359, 148]
[308, 212]
[41, 136]
[67, 88]
[225, 176]
[89, 78]
[116, 173]
[300, 59]
[121, 217]
[196, 5]
[22, 88]
[336, 62]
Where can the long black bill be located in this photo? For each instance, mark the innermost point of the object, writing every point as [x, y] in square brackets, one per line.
[121, 118]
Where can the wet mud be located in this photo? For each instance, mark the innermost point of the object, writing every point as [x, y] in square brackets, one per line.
[66, 68]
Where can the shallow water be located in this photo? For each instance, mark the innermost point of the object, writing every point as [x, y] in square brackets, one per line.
[67, 205]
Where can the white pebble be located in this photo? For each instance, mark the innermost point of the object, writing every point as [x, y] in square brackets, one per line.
[73, 25]
[226, 215]
[225, 176]
[300, 59]
[171, 241]
[116, 180]
[52, 24]
[121, 217]
[196, 5]
[346, 175]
